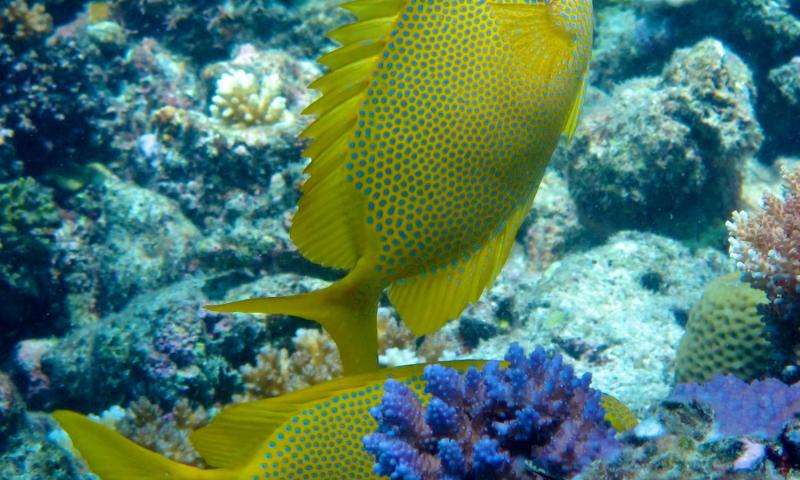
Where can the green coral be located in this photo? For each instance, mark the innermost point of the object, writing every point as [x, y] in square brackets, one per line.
[726, 334]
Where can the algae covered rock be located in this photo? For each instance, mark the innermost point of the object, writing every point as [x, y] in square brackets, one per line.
[782, 106]
[159, 346]
[28, 286]
[121, 240]
[661, 152]
[146, 240]
[725, 334]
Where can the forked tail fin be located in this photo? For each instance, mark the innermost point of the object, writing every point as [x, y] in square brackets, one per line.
[347, 310]
[113, 457]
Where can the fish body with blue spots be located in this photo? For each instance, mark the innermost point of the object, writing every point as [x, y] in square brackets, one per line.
[435, 125]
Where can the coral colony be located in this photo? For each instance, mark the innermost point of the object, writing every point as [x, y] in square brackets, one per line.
[497, 422]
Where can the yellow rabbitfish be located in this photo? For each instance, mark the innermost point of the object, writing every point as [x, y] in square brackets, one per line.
[310, 434]
[436, 122]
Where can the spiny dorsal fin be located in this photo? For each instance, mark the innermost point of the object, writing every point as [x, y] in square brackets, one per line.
[322, 228]
[369, 9]
[236, 434]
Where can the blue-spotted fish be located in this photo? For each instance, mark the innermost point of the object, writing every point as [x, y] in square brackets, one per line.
[315, 433]
[311, 434]
[436, 122]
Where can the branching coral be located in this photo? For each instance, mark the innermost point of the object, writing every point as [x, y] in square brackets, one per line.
[148, 425]
[766, 246]
[27, 21]
[315, 358]
[533, 417]
[244, 101]
[276, 372]
[759, 409]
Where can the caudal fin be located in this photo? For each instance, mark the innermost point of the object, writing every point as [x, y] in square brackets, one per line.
[347, 310]
[113, 457]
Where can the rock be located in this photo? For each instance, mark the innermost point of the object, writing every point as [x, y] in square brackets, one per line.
[662, 152]
[781, 107]
[592, 307]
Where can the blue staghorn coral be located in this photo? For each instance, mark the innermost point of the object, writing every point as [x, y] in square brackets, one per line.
[533, 417]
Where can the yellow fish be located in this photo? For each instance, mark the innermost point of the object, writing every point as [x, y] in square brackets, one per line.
[436, 122]
[310, 434]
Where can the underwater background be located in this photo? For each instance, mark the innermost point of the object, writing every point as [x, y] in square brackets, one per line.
[150, 165]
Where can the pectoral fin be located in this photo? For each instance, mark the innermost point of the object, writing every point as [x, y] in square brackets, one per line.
[536, 40]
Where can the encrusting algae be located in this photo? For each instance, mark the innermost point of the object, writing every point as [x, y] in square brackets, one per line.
[435, 124]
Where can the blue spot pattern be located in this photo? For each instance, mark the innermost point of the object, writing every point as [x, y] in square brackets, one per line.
[534, 416]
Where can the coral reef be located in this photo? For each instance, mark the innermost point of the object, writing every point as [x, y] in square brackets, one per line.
[212, 28]
[782, 106]
[150, 426]
[552, 228]
[12, 407]
[764, 245]
[29, 293]
[676, 441]
[149, 165]
[235, 181]
[276, 372]
[760, 409]
[312, 358]
[663, 151]
[177, 353]
[29, 447]
[507, 423]
[726, 334]
[51, 88]
[629, 43]
[593, 308]
[125, 240]
[768, 31]
[26, 21]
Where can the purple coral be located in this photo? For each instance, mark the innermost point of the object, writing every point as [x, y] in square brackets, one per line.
[759, 409]
[535, 416]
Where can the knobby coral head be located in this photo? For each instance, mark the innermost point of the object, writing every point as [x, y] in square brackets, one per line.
[534, 417]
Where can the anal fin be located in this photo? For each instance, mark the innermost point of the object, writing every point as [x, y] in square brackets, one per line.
[428, 301]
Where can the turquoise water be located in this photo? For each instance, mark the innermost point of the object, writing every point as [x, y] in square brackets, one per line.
[151, 164]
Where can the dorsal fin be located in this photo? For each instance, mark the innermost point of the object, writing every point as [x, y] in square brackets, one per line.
[324, 226]
[236, 434]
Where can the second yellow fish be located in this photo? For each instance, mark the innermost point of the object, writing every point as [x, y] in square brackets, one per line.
[436, 122]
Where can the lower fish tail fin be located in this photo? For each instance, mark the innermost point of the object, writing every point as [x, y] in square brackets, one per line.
[347, 309]
[113, 457]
